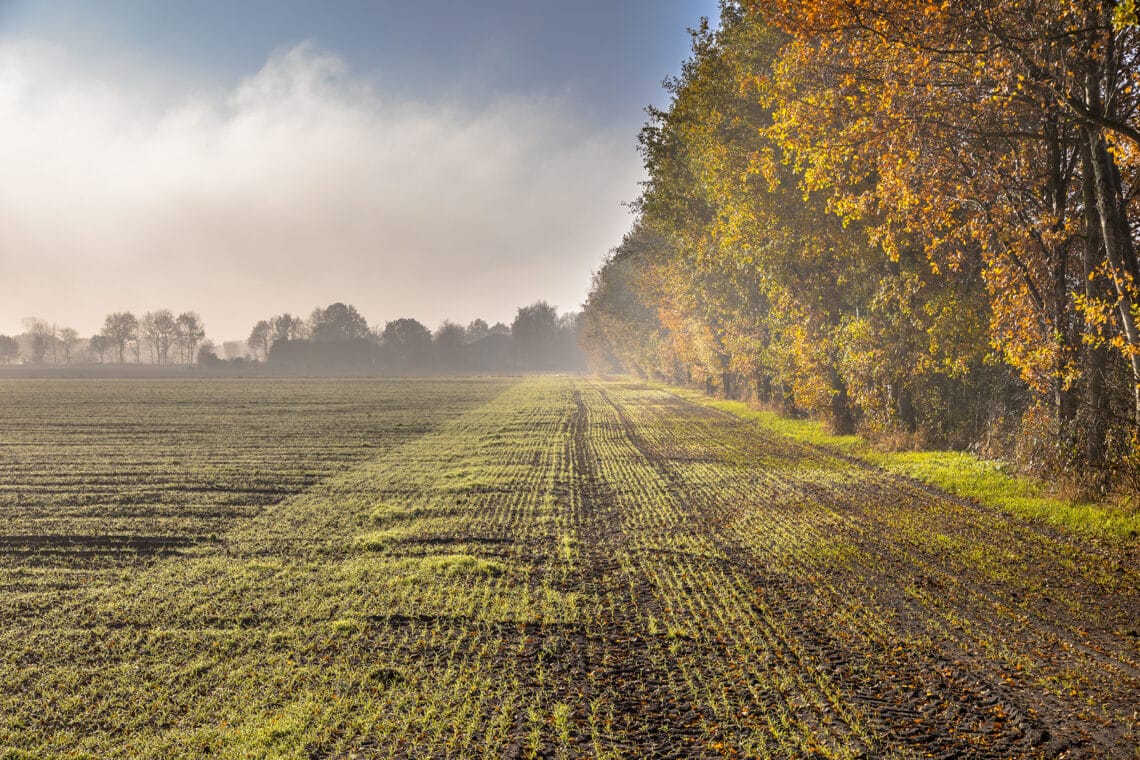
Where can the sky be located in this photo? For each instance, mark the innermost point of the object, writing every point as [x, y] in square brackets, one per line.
[429, 159]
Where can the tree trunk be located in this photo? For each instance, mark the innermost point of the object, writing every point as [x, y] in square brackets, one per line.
[842, 423]
[726, 384]
[1096, 356]
[1118, 247]
[763, 385]
[787, 400]
[1064, 397]
[905, 405]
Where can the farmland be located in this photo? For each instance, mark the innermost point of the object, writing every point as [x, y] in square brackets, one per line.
[548, 567]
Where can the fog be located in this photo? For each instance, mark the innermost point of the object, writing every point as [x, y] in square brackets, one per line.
[299, 185]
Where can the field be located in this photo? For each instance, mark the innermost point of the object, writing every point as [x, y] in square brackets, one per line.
[541, 567]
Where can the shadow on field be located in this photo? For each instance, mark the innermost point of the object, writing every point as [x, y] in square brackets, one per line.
[81, 546]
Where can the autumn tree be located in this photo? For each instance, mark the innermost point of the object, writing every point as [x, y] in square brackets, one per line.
[1003, 133]
[620, 328]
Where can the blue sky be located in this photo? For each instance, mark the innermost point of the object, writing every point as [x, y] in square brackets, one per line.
[611, 54]
[429, 159]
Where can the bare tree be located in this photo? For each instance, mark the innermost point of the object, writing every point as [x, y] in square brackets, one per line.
[159, 328]
[189, 332]
[287, 327]
[67, 337]
[98, 346]
[41, 338]
[121, 328]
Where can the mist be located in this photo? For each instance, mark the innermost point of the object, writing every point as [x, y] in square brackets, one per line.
[301, 184]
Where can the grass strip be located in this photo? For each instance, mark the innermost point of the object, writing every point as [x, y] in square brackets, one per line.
[986, 481]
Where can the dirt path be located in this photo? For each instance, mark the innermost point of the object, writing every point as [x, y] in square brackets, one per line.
[848, 607]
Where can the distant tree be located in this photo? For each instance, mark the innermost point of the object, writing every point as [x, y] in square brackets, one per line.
[9, 349]
[287, 327]
[160, 329]
[67, 337]
[406, 342]
[121, 328]
[449, 341]
[570, 354]
[40, 337]
[207, 355]
[98, 346]
[500, 329]
[338, 322]
[260, 339]
[477, 330]
[189, 331]
[535, 336]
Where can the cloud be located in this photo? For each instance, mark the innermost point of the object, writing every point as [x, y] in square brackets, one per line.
[300, 185]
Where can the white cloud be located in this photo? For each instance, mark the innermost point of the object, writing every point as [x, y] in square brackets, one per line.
[300, 186]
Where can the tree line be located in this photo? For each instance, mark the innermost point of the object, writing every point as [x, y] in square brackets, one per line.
[158, 337]
[333, 338]
[538, 339]
[911, 219]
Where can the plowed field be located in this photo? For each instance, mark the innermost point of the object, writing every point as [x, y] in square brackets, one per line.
[540, 568]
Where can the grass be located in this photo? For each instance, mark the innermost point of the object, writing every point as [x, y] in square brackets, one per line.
[960, 473]
[449, 565]
[386, 513]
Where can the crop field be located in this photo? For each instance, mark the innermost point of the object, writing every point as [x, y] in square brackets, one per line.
[541, 567]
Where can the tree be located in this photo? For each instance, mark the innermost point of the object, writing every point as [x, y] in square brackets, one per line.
[406, 343]
[477, 329]
[9, 349]
[98, 346]
[208, 355]
[160, 328]
[41, 338]
[287, 327]
[260, 339]
[620, 328]
[534, 336]
[67, 338]
[1009, 133]
[189, 332]
[121, 328]
[448, 342]
[338, 322]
